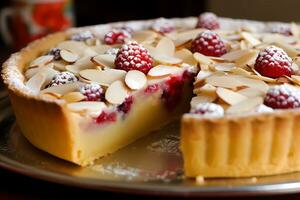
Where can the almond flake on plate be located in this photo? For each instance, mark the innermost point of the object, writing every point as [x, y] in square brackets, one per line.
[135, 79]
[64, 88]
[116, 93]
[202, 59]
[103, 77]
[245, 106]
[166, 46]
[104, 60]
[230, 96]
[86, 106]
[163, 70]
[73, 97]
[186, 56]
[68, 56]
[36, 82]
[202, 99]
[41, 61]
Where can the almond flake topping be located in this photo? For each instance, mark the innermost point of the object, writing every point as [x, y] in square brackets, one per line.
[135, 79]
[116, 93]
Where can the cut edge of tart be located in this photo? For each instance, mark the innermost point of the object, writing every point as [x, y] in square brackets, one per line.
[251, 144]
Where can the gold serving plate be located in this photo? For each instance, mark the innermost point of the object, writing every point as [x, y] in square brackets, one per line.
[151, 165]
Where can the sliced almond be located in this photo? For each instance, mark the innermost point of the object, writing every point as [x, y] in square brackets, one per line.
[186, 56]
[41, 61]
[68, 56]
[207, 89]
[76, 47]
[289, 49]
[247, 59]
[73, 97]
[163, 70]
[230, 96]
[240, 71]
[225, 67]
[234, 55]
[116, 93]
[250, 38]
[135, 79]
[224, 81]
[245, 106]
[104, 60]
[81, 64]
[202, 99]
[146, 35]
[186, 36]
[167, 60]
[64, 88]
[253, 83]
[166, 46]
[86, 106]
[104, 77]
[51, 95]
[59, 65]
[36, 82]
[101, 49]
[202, 59]
[251, 92]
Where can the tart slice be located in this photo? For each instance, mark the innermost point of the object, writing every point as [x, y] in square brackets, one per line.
[84, 96]
[244, 116]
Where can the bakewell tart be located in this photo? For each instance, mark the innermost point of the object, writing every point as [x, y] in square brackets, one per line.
[87, 92]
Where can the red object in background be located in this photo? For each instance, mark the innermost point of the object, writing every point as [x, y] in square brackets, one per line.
[33, 19]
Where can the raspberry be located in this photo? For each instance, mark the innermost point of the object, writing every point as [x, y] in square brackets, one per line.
[209, 44]
[126, 105]
[112, 51]
[172, 92]
[116, 36]
[56, 53]
[83, 36]
[282, 97]
[281, 29]
[163, 25]
[62, 78]
[92, 92]
[133, 57]
[273, 62]
[208, 20]
[208, 109]
[106, 117]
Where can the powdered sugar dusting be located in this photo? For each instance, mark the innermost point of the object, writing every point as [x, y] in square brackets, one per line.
[208, 110]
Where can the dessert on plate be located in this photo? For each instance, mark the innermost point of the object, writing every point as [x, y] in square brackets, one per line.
[87, 92]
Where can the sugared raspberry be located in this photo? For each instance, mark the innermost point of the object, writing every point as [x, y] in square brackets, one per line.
[126, 105]
[106, 117]
[208, 20]
[282, 97]
[282, 29]
[56, 53]
[133, 57]
[273, 62]
[82, 36]
[116, 36]
[208, 110]
[62, 78]
[92, 92]
[163, 25]
[209, 44]
[112, 51]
